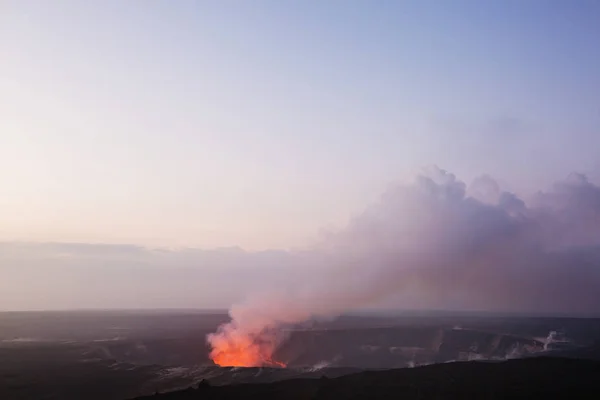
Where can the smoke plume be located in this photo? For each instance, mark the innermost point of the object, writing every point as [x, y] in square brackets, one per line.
[434, 244]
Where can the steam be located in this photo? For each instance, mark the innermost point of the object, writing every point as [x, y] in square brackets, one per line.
[549, 340]
[435, 244]
[319, 366]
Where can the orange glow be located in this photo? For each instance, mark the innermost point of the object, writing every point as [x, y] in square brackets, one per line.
[244, 360]
[242, 351]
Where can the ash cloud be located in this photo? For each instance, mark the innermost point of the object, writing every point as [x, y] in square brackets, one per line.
[435, 243]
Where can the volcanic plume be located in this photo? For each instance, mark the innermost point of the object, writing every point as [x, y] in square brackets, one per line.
[435, 244]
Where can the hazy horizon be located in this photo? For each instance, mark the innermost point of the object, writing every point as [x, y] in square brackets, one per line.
[367, 313]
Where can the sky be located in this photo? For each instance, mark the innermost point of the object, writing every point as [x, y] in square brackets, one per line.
[264, 125]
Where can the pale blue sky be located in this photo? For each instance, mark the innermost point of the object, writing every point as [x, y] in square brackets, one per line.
[258, 123]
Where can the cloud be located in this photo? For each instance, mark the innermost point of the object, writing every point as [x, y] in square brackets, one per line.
[496, 254]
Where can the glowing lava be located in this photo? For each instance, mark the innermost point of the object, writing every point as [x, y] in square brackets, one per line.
[243, 358]
[233, 348]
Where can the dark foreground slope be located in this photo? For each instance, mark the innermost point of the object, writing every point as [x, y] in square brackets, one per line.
[543, 377]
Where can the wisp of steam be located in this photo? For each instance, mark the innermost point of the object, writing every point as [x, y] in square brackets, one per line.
[434, 243]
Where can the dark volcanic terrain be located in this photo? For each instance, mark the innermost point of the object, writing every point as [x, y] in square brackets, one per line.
[119, 355]
[542, 377]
